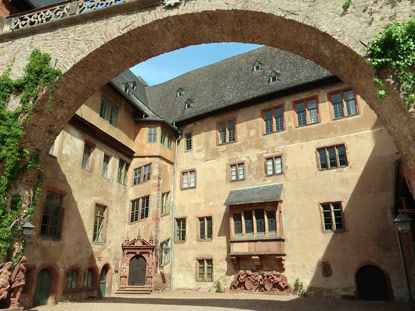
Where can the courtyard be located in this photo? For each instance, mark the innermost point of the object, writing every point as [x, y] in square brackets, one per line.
[201, 301]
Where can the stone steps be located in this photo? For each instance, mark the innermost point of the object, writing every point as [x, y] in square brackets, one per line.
[133, 290]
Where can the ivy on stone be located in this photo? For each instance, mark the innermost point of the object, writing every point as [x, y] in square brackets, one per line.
[15, 160]
[394, 48]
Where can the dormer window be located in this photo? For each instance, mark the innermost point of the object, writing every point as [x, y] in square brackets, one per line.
[188, 104]
[274, 76]
[257, 66]
[180, 92]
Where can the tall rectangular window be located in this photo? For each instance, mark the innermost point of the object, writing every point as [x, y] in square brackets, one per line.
[273, 120]
[237, 172]
[332, 216]
[307, 112]
[51, 215]
[108, 111]
[189, 179]
[181, 230]
[86, 157]
[164, 256]
[204, 270]
[135, 207]
[166, 139]
[142, 174]
[145, 205]
[99, 224]
[273, 165]
[260, 221]
[122, 172]
[188, 144]
[237, 224]
[152, 135]
[105, 166]
[249, 222]
[205, 228]
[165, 203]
[332, 157]
[343, 103]
[226, 132]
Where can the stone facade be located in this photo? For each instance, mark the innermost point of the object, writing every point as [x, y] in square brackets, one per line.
[101, 213]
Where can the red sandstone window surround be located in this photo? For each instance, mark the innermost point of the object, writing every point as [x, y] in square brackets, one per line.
[142, 174]
[306, 111]
[226, 131]
[343, 103]
[236, 171]
[273, 165]
[273, 120]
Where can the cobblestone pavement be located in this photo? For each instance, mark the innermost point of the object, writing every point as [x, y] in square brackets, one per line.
[197, 301]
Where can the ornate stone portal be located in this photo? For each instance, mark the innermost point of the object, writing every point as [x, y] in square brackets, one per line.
[268, 281]
[11, 284]
[137, 247]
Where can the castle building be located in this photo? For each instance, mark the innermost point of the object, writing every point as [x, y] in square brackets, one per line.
[263, 162]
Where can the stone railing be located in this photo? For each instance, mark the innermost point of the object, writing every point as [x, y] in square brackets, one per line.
[61, 11]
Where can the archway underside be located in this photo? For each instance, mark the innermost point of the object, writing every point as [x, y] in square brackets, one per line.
[100, 50]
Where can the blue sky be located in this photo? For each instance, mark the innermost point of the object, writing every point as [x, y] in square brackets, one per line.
[170, 65]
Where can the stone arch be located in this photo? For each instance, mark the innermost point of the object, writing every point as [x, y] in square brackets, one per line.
[54, 284]
[320, 32]
[77, 268]
[108, 286]
[95, 278]
[389, 289]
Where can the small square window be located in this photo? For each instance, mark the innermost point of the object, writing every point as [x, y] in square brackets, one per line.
[332, 216]
[237, 171]
[189, 179]
[71, 279]
[273, 165]
[166, 139]
[136, 211]
[52, 213]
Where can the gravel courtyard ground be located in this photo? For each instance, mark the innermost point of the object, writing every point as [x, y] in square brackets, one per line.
[197, 301]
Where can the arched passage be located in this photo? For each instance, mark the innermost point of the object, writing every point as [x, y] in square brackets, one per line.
[91, 52]
[372, 284]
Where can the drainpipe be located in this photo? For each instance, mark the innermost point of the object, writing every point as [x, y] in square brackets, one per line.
[172, 212]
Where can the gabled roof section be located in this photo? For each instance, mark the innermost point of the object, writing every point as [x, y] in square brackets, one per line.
[232, 81]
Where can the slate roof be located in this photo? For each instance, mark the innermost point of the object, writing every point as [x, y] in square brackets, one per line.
[230, 81]
[263, 194]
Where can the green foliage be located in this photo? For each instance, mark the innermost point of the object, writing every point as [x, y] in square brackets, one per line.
[394, 48]
[298, 288]
[346, 5]
[218, 287]
[16, 160]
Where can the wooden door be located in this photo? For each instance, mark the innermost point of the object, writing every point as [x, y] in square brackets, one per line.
[137, 273]
[42, 289]
[103, 281]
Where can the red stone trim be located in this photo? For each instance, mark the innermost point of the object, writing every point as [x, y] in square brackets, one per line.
[217, 132]
[78, 280]
[274, 156]
[307, 117]
[230, 172]
[54, 282]
[343, 102]
[273, 118]
[331, 168]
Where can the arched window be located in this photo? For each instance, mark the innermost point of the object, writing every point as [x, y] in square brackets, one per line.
[71, 279]
[87, 278]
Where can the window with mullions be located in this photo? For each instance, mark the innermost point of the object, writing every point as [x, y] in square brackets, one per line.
[343, 103]
[237, 172]
[122, 172]
[152, 135]
[87, 278]
[145, 205]
[204, 270]
[332, 216]
[254, 222]
[165, 203]
[332, 157]
[273, 120]
[273, 165]
[108, 111]
[188, 144]
[71, 279]
[227, 132]
[142, 174]
[307, 112]
[180, 230]
[135, 209]
[88, 148]
[164, 254]
[99, 224]
[189, 179]
[105, 166]
[139, 208]
[166, 139]
[205, 228]
[51, 215]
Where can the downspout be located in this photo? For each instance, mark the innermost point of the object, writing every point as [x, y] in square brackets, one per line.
[172, 212]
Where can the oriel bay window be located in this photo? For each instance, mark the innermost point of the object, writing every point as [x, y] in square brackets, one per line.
[332, 157]
[307, 111]
[273, 120]
[226, 131]
[254, 222]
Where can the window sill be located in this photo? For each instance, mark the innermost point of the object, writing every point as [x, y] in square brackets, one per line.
[307, 125]
[204, 281]
[98, 243]
[165, 214]
[334, 231]
[258, 238]
[139, 183]
[270, 133]
[85, 170]
[179, 242]
[332, 168]
[206, 240]
[227, 143]
[273, 175]
[345, 117]
[237, 180]
[188, 188]
[51, 238]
